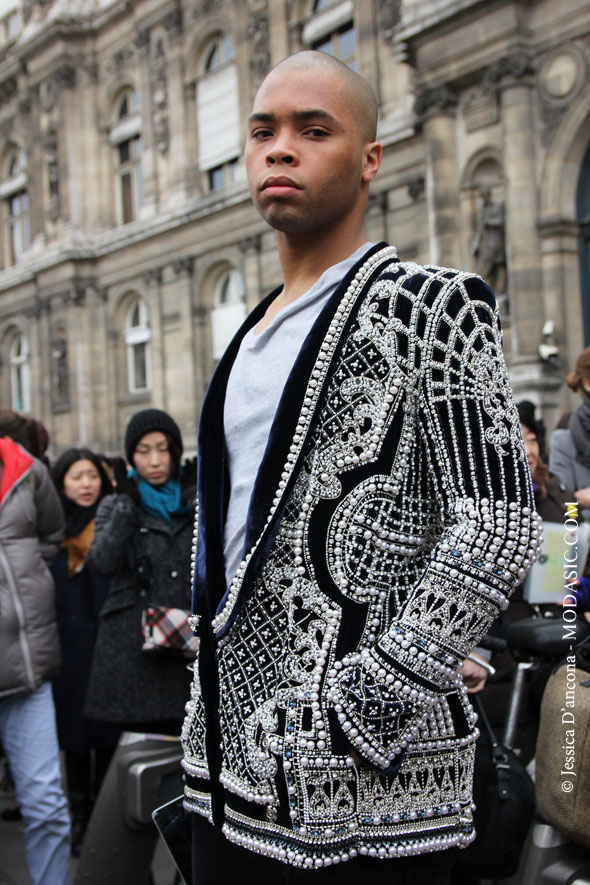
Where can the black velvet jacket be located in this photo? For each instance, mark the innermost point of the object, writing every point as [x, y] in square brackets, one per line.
[391, 517]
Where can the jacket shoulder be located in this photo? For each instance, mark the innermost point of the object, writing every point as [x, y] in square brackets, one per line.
[431, 282]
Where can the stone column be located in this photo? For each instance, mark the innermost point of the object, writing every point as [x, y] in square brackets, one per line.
[181, 371]
[153, 281]
[104, 343]
[169, 90]
[148, 161]
[250, 249]
[512, 77]
[436, 108]
[72, 183]
[37, 335]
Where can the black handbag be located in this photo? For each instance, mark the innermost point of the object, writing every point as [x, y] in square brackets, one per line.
[504, 795]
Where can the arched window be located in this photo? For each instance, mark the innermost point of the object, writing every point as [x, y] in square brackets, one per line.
[331, 29]
[229, 310]
[125, 136]
[20, 377]
[137, 340]
[15, 198]
[218, 113]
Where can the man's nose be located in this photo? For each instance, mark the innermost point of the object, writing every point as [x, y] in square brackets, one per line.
[281, 151]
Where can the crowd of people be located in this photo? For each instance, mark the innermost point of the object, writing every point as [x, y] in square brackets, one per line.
[365, 511]
[85, 545]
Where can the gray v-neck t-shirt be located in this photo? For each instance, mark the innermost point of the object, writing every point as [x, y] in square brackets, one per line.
[255, 385]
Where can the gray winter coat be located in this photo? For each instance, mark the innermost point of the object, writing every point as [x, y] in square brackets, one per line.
[31, 526]
[128, 685]
[563, 463]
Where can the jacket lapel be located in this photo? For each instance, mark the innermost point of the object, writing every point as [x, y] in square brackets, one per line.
[294, 421]
[212, 480]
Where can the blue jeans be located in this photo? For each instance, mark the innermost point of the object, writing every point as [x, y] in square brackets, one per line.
[29, 738]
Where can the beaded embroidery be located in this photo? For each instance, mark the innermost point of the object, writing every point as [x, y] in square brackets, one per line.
[416, 419]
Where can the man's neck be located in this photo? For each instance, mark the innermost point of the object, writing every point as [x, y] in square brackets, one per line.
[303, 261]
[305, 257]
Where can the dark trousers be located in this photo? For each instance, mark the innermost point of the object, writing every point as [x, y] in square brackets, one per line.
[216, 859]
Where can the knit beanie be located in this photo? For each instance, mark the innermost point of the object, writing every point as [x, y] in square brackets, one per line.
[147, 421]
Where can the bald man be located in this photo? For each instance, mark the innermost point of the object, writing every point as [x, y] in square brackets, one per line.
[364, 513]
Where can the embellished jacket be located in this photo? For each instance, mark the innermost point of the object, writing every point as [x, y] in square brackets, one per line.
[391, 518]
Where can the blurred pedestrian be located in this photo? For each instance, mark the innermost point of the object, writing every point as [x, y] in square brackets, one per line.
[142, 540]
[30, 533]
[80, 594]
[569, 457]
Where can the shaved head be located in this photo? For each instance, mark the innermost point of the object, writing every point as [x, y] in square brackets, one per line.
[361, 97]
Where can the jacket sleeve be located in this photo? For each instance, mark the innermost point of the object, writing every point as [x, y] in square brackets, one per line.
[116, 519]
[471, 442]
[50, 523]
[560, 459]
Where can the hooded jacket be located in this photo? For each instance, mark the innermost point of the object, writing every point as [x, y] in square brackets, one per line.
[391, 518]
[31, 526]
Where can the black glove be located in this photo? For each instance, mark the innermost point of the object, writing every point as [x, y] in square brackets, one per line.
[123, 484]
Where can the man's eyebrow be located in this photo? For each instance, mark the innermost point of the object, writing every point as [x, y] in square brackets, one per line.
[301, 116]
[261, 118]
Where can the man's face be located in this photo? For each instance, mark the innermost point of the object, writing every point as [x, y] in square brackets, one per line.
[306, 163]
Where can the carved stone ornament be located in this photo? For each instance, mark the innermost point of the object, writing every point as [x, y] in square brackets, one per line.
[183, 266]
[512, 67]
[250, 244]
[480, 109]
[60, 380]
[122, 57]
[378, 201]
[204, 7]
[6, 128]
[64, 76]
[8, 89]
[50, 151]
[416, 188]
[47, 94]
[434, 99]
[24, 105]
[258, 32]
[562, 75]
[160, 106]
[172, 21]
[153, 275]
[388, 17]
[142, 39]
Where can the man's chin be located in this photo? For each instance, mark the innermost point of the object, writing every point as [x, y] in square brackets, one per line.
[284, 220]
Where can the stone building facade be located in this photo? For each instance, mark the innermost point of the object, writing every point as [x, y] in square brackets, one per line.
[129, 248]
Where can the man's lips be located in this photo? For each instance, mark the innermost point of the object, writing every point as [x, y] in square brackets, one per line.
[279, 184]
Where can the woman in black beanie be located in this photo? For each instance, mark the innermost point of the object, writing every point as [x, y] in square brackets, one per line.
[142, 541]
[80, 593]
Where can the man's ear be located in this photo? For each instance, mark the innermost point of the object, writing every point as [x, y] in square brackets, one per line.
[372, 152]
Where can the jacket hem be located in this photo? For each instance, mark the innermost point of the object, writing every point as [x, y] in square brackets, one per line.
[306, 852]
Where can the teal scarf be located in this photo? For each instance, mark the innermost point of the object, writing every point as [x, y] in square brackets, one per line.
[161, 501]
